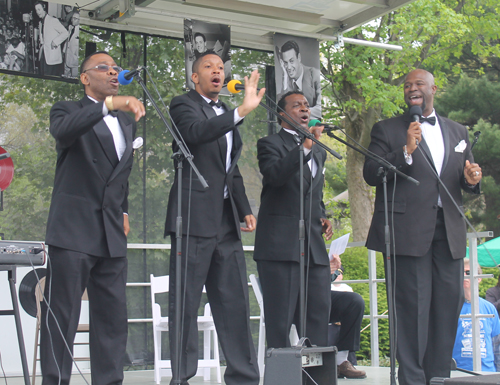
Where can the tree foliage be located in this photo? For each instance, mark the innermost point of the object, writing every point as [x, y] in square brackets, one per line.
[363, 85]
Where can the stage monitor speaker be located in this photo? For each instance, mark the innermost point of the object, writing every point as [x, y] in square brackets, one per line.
[487, 379]
[90, 48]
[285, 366]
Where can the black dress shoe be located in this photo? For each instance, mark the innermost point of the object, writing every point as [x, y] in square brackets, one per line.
[347, 370]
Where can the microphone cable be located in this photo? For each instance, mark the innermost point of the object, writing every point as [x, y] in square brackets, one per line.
[50, 311]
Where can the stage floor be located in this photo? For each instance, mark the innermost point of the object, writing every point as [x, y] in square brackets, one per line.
[375, 376]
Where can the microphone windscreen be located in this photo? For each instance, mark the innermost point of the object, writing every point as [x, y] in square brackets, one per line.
[231, 86]
[314, 122]
[415, 110]
[122, 80]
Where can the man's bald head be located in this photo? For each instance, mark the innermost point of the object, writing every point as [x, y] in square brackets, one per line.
[419, 90]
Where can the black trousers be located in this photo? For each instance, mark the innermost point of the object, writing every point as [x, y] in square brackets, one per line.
[429, 295]
[280, 290]
[219, 264]
[69, 273]
[51, 69]
[348, 309]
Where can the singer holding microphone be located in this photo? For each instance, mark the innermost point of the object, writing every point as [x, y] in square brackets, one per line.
[88, 224]
[214, 256]
[277, 249]
[429, 231]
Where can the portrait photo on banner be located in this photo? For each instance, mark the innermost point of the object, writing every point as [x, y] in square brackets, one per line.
[201, 37]
[297, 69]
[39, 38]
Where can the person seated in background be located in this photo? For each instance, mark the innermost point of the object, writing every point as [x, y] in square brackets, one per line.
[16, 53]
[347, 308]
[490, 328]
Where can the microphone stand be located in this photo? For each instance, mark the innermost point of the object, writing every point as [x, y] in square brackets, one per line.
[182, 154]
[385, 168]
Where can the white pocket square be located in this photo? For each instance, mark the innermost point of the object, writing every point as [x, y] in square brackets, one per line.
[461, 146]
[137, 143]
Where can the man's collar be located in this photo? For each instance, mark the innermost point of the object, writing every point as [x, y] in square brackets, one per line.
[208, 100]
[433, 113]
[293, 132]
[91, 98]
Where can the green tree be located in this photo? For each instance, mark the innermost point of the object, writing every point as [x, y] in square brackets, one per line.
[363, 84]
[474, 102]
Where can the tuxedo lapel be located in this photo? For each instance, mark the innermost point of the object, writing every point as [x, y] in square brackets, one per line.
[317, 159]
[210, 113]
[236, 149]
[445, 131]
[105, 137]
[290, 143]
[427, 152]
[423, 144]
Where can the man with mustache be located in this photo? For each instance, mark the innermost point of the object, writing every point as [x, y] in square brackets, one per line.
[213, 252]
[429, 231]
[88, 225]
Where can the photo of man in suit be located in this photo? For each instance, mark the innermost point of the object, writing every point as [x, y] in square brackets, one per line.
[213, 253]
[277, 236]
[429, 231]
[72, 46]
[299, 77]
[52, 35]
[88, 225]
[202, 38]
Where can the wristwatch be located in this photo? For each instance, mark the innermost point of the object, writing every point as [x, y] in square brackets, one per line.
[407, 156]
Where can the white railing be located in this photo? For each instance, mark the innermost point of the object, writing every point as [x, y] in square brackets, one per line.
[373, 281]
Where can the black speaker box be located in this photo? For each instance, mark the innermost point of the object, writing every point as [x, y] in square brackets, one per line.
[284, 366]
[487, 379]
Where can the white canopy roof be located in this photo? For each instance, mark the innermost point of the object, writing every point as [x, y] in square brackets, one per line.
[252, 22]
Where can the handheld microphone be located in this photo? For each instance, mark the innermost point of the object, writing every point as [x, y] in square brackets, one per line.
[328, 127]
[234, 86]
[126, 77]
[415, 113]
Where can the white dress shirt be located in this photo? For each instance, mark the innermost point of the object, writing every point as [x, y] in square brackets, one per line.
[433, 136]
[115, 128]
[229, 136]
[313, 166]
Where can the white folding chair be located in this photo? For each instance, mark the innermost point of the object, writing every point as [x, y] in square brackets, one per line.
[261, 350]
[205, 324]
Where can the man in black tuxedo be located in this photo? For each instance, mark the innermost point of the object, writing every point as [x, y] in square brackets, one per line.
[214, 254]
[277, 236]
[88, 224]
[429, 231]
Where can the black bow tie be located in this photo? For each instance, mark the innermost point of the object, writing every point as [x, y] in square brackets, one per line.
[113, 113]
[218, 103]
[431, 120]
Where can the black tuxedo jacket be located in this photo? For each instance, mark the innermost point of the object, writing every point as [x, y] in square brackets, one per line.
[204, 133]
[91, 184]
[415, 207]
[277, 234]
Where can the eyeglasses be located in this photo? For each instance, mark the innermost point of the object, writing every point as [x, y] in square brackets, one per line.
[104, 68]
